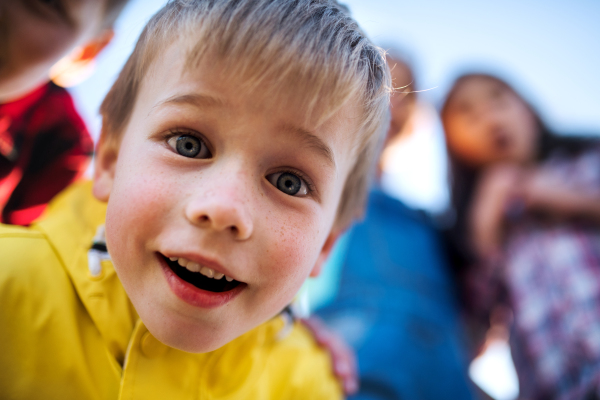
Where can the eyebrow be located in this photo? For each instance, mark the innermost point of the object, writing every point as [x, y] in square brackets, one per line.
[312, 141]
[201, 100]
[194, 99]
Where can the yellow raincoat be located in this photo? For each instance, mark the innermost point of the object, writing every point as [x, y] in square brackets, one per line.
[65, 334]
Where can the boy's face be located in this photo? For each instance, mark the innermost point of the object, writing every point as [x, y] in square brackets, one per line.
[224, 182]
[35, 34]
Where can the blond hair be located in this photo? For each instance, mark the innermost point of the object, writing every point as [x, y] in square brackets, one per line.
[307, 49]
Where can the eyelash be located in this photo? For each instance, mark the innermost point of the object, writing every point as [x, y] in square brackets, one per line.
[310, 187]
[182, 132]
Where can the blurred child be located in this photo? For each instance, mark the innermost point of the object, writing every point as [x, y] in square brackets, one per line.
[403, 99]
[236, 145]
[44, 144]
[396, 304]
[528, 212]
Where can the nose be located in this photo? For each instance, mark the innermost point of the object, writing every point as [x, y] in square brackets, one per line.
[222, 208]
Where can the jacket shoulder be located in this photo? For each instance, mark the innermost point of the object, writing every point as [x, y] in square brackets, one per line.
[20, 245]
[29, 262]
[300, 369]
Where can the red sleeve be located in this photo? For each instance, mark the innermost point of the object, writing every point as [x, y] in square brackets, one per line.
[59, 150]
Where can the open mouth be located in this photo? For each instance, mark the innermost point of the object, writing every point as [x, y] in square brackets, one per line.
[201, 277]
[501, 139]
[502, 143]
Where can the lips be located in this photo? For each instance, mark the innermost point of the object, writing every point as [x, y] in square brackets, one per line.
[197, 289]
[502, 143]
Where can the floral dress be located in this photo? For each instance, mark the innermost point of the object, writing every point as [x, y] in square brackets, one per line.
[551, 272]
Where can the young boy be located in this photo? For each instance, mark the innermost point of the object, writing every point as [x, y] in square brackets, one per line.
[44, 144]
[236, 146]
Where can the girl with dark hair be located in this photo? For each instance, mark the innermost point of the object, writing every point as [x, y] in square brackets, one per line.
[527, 232]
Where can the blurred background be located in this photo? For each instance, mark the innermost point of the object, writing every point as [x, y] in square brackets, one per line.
[549, 50]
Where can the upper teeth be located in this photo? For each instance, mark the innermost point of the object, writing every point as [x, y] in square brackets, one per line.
[195, 267]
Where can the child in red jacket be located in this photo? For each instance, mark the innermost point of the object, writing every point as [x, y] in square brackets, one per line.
[44, 144]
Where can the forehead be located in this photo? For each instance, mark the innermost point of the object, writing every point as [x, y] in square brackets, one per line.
[474, 88]
[400, 72]
[211, 83]
[172, 84]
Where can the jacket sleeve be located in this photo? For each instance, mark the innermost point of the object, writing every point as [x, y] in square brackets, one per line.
[26, 268]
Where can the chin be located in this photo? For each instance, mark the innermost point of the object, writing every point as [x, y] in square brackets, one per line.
[188, 337]
[192, 345]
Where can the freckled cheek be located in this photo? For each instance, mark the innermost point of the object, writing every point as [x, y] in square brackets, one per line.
[139, 203]
[134, 221]
[294, 253]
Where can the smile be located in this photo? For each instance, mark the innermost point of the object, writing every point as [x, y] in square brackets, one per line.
[195, 287]
[200, 276]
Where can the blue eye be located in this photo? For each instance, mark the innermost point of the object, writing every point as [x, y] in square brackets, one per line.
[189, 146]
[289, 183]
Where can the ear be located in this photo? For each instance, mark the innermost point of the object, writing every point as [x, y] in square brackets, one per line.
[78, 65]
[326, 250]
[104, 170]
[92, 48]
